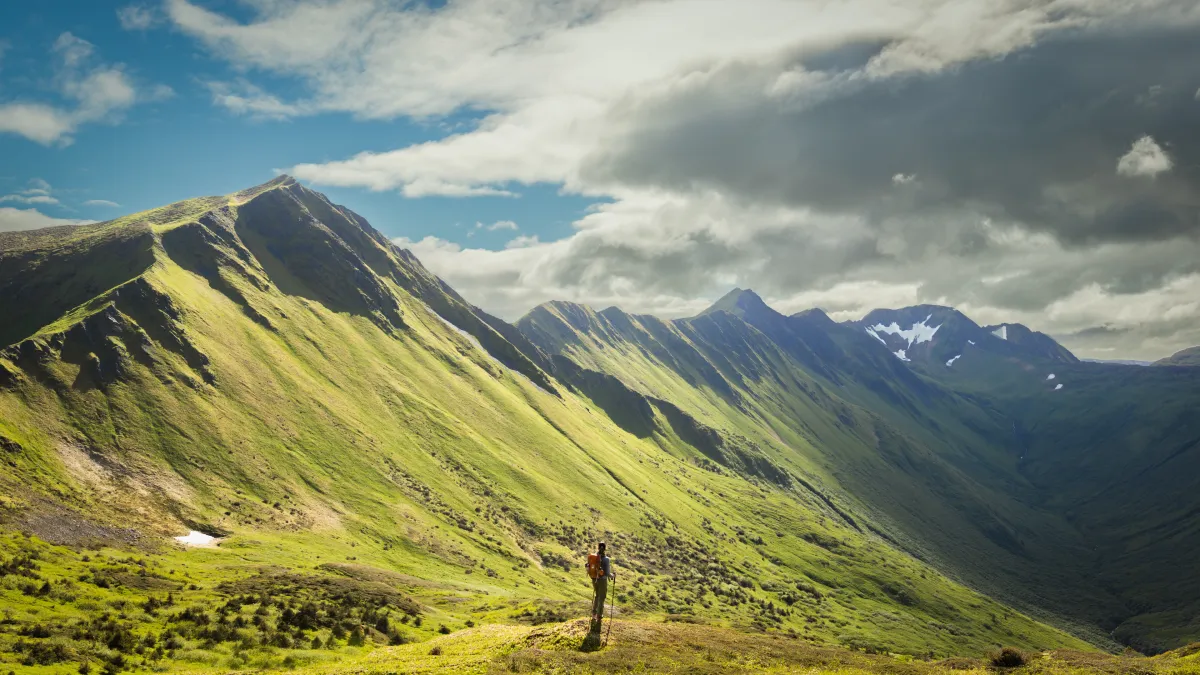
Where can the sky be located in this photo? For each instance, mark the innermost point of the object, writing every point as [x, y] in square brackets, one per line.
[1033, 161]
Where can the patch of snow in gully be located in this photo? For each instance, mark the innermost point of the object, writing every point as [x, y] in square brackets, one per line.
[1057, 387]
[194, 538]
[950, 363]
[901, 355]
[1001, 332]
[1050, 376]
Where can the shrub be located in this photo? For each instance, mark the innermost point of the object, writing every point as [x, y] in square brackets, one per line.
[45, 653]
[436, 651]
[1009, 657]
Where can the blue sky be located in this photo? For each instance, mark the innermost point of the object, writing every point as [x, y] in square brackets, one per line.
[182, 145]
[1024, 162]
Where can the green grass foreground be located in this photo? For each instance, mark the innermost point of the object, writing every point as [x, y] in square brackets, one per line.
[641, 646]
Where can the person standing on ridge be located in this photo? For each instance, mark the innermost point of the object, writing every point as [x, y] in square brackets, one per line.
[599, 568]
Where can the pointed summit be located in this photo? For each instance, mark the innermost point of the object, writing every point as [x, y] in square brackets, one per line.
[739, 302]
[281, 181]
[816, 315]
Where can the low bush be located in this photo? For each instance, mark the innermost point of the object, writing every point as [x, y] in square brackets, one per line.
[1009, 657]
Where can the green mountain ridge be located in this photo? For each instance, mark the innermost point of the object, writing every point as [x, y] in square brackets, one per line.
[269, 369]
[1009, 428]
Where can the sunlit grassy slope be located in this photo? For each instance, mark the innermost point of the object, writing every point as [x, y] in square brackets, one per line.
[268, 369]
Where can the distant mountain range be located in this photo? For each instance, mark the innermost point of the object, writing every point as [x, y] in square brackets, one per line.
[267, 368]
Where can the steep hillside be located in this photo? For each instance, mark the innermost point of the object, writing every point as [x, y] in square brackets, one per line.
[1112, 448]
[924, 467]
[380, 459]
[984, 449]
[1185, 357]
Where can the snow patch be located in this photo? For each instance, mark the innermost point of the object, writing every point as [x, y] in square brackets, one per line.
[876, 336]
[970, 342]
[950, 363]
[1057, 387]
[194, 538]
[901, 355]
[1001, 332]
[1050, 376]
[920, 332]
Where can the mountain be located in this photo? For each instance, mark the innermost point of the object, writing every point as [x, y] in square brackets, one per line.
[380, 461]
[1185, 357]
[932, 336]
[1011, 466]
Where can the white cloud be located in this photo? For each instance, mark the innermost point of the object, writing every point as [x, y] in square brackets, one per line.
[101, 202]
[523, 241]
[1145, 158]
[38, 192]
[435, 188]
[91, 92]
[498, 225]
[244, 98]
[136, 17]
[37, 122]
[29, 199]
[73, 50]
[31, 219]
[904, 178]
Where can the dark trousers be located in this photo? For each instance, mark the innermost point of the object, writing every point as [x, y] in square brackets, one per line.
[600, 588]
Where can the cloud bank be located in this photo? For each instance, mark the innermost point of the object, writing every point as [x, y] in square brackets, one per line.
[1025, 160]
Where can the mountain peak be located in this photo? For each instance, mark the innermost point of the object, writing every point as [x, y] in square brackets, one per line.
[815, 314]
[281, 181]
[739, 302]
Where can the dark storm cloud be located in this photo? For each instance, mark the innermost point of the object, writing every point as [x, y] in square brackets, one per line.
[1032, 137]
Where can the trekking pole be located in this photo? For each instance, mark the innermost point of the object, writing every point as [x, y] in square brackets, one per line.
[612, 608]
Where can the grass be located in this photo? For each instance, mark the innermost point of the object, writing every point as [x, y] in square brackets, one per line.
[656, 647]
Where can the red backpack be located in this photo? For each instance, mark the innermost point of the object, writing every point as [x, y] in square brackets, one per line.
[594, 568]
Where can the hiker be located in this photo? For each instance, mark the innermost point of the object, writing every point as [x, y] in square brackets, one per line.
[599, 568]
